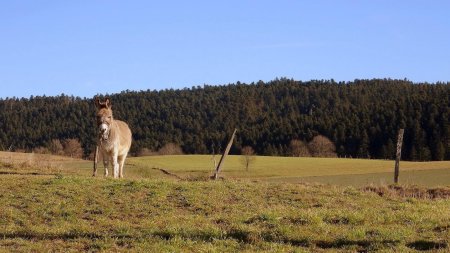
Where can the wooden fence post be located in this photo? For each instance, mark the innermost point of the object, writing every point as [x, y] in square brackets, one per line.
[95, 161]
[399, 154]
[225, 153]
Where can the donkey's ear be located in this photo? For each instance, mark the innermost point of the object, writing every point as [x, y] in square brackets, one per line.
[97, 102]
[108, 103]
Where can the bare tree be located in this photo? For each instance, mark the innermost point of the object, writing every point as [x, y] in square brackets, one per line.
[213, 158]
[321, 146]
[56, 147]
[146, 152]
[248, 156]
[170, 149]
[72, 148]
[41, 150]
[299, 148]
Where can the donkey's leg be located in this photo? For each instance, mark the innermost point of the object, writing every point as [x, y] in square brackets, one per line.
[105, 163]
[121, 164]
[115, 165]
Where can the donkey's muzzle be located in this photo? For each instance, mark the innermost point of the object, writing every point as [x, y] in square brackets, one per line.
[103, 129]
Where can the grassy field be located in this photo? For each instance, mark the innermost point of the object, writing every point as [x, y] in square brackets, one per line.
[356, 172]
[53, 204]
[73, 213]
[345, 172]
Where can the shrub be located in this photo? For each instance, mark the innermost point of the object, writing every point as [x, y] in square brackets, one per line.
[170, 149]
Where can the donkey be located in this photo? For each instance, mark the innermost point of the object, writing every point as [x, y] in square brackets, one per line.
[114, 139]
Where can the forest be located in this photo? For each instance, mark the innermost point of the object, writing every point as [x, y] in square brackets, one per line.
[360, 117]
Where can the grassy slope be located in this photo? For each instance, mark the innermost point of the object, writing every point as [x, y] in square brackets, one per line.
[52, 204]
[75, 213]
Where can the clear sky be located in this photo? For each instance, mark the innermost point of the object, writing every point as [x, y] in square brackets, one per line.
[90, 47]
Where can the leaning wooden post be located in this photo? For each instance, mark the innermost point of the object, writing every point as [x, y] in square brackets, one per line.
[95, 161]
[399, 154]
[225, 153]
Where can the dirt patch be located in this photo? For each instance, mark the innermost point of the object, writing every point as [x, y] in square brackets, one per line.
[423, 245]
[166, 172]
[26, 173]
[410, 192]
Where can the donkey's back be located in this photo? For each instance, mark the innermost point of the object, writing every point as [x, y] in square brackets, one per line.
[124, 137]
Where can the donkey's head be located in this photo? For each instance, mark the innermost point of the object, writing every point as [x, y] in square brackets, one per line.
[104, 117]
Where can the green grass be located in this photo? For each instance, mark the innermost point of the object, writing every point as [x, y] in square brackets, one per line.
[75, 213]
[356, 172]
[428, 178]
[53, 204]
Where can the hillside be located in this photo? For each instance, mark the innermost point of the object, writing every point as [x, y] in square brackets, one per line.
[361, 118]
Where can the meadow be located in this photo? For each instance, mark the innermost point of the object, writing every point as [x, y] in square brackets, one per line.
[52, 203]
[336, 171]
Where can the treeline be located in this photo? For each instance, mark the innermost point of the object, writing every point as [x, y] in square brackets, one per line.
[361, 118]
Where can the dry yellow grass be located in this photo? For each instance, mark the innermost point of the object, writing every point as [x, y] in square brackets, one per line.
[297, 169]
[288, 169]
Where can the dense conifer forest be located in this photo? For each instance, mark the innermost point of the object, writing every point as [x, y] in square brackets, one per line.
[361, 118]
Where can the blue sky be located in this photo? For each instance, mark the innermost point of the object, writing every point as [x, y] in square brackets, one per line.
[84, 48]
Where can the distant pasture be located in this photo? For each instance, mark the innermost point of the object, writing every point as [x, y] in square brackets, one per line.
[340, 171]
